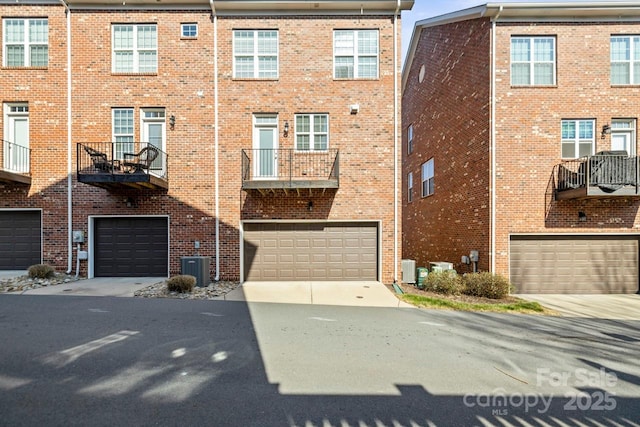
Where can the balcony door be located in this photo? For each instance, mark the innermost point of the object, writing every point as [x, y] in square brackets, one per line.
[153, 133]
[622, 136]
[16, 147]
[265, 146]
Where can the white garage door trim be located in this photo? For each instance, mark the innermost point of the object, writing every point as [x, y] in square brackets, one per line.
[91, 238]
[359, 221]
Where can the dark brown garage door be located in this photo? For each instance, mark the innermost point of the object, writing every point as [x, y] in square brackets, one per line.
[20, 239]
[131, 247]
[315, 251]
[574, 264]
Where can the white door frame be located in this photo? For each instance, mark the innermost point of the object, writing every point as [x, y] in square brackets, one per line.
[624, 128]
[15, 159]
[269, 122]
[157, 118]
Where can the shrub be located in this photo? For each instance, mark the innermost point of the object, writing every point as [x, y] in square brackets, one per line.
[181, 283]
[443, 282]
[486, 285]
[40, 271]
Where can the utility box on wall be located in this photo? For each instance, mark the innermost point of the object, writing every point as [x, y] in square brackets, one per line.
[198, 267]
[409, 271]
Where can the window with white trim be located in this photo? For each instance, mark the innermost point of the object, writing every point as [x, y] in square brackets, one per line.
[135, 48]
[255, 54]
[312, 132]
[533, 61]
[25, 42]
[578, 138]
[410, 187]
[427, 178]
[625, 60]
[355, 54]
[123, 131]
[189, 31]
[410, 139]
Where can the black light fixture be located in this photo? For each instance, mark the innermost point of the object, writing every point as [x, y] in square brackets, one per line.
[606, 130]
[582, 217]
[310, 206]
[286, 129]
[172, 121]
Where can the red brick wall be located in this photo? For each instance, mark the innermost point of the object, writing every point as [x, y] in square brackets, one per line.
[450, 113]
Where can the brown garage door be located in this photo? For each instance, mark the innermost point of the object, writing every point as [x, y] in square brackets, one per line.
[131, 247]
[314, 251]
[574, 264]
[20, 239]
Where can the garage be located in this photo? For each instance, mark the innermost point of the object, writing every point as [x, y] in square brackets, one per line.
[574, 264]
[20, 239]
[131, 246]
[310, 251]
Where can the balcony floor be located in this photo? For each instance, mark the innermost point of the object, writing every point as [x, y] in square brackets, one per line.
[140, 181]
[14, 178]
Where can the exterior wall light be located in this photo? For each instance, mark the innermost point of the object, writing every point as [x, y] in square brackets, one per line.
[286, 129]
[606, 130]
[172, 122]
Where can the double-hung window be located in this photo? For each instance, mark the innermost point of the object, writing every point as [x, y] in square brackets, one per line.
[625, 60]
[533, 61]
[25, 42]
[410, 139]
[410, 187]
[355, 54]
[312, 132]
[578, 138]
[135, 48]
[123, 131]
[427, 178]
[255, 54]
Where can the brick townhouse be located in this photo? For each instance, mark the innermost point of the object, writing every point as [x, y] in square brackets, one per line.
[262, 135]
[520, 125]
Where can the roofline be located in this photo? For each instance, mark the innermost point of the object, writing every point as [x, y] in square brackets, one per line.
[576, 11]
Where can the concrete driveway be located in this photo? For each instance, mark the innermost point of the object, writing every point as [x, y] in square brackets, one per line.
[617, 307]
[101, 286]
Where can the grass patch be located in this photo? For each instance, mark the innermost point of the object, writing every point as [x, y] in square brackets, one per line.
[444, 303]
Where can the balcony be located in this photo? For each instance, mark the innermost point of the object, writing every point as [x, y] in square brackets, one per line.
[15, 160]
[269, 170]
[606, 174]
[122, 165]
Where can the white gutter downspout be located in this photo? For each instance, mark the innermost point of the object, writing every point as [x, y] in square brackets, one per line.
[395, 142]
[69, 146]
[215, 137]
[492, 249]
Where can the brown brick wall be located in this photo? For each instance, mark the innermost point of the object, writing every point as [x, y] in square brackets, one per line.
[450, 114]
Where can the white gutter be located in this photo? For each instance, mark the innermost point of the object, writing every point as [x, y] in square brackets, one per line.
[395, 141]
[215, 137]
[492, 244]
[69, 146]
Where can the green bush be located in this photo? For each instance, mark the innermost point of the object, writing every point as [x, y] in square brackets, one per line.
[443, 282]
[41, 271]
[486, 285]
[181, 283]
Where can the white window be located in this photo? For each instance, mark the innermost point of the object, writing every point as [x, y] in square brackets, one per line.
[533, 61]
[25, 42]
[625, 60]
[410, 187]
[410, 139]
[123, 131]
[189, 31]
[312, 132]
[135, 48]
[578, 138]
[255, 54]
[355, 54]
[427, 178]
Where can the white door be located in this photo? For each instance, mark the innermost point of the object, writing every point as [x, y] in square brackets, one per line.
[153, 133]
[622, 141]
[265, 147]
[17, 146]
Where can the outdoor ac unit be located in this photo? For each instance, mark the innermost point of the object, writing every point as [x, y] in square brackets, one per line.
[409, 271]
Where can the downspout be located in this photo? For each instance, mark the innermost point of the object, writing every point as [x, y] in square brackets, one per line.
[492, 249]
[215, 137]
[395, 142]
[69, 146]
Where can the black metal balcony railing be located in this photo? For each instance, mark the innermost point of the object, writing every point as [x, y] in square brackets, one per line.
[127, 163]
[606, 173]
[289, 168]
[15, 158]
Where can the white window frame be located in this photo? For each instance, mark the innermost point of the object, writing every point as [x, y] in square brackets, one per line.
[189, 30]
[353, 51]
[631, 60]
[532, 62]
[135, 50]
[410, 187]
[26, 41]
[256, 55]
[124, 141]
[312, 133]
[410, 139]
[428, 172]
[579, 138]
